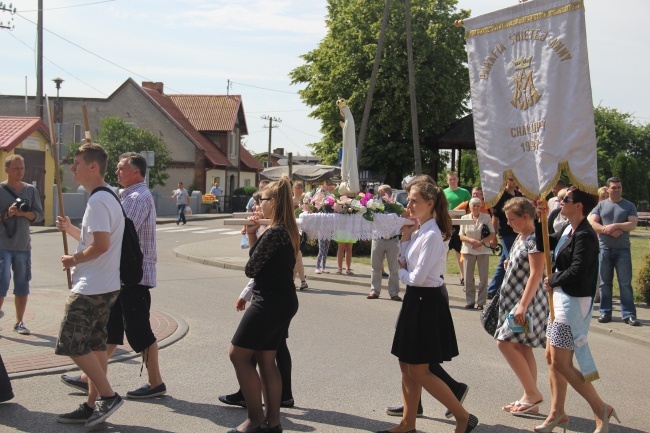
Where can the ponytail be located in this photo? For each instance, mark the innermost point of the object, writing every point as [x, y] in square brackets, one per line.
[441, 213]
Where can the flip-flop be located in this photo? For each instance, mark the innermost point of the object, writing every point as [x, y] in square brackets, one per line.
[529, 408]
[510, 406]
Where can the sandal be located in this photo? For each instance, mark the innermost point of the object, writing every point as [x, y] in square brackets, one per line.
[528, 408]
[349, 272]
[339, 272]
[303, 285]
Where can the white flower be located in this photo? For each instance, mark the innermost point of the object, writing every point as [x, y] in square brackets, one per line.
[362, 209]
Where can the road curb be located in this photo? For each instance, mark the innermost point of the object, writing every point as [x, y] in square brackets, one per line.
[181, 330]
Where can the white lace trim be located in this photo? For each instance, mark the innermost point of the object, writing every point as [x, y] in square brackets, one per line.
[326, 225]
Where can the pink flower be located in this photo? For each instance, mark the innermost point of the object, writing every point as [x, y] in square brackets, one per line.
[329, 201]
[364, 200]
[338, 208]
[305, 208]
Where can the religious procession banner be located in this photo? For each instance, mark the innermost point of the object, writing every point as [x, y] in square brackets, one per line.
[531, 97]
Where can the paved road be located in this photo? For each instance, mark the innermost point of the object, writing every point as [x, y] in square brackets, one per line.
[343, 372]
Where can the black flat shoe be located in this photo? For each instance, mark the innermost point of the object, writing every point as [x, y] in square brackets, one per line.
[276, 429]
[386, 431]
[262, 428]
[471, 424]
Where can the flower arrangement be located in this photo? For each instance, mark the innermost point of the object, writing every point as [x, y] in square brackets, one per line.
[363, 203]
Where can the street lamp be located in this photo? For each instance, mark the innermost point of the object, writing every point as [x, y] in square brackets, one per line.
[58, 117]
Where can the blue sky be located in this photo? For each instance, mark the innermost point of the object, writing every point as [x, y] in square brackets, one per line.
[195, 46]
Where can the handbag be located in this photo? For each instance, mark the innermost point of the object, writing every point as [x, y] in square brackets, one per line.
[490, 315]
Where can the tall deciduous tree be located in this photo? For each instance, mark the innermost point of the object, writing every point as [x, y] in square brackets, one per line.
[623, 151]
[341, 65]
[118, 137]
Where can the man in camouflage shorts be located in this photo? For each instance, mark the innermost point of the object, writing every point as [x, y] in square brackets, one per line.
[95, 270]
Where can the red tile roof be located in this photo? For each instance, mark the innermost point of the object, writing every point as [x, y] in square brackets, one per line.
[249, 160]
[164, 102]
[13, 130]
[212, 112]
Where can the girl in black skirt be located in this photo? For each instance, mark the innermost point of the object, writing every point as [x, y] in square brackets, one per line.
[425, 330]
[266, 322]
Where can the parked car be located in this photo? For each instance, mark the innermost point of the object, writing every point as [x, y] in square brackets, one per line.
[400, 196]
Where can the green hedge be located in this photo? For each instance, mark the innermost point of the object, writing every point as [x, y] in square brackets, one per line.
[247, 191]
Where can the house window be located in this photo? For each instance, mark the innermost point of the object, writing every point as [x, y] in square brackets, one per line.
[234, 144]
[76, 132]
[247, 182]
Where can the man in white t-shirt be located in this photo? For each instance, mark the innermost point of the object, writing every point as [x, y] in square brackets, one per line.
[95, 270]
[182, 200]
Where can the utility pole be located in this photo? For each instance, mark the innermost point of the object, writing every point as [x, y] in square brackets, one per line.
[39, 61]
[271, 126]
[9, 25]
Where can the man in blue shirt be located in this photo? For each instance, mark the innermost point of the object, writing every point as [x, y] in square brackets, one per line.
[613, 219]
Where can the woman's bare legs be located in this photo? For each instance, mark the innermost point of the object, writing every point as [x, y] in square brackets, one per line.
[562, 362]
[558, 388]
[414, 378]
[348, 255]
[522, 361]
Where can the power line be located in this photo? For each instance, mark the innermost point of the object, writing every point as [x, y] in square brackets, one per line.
[264, 88]
[94, 54]
[302, 132]
[73, 6]
[60, 67]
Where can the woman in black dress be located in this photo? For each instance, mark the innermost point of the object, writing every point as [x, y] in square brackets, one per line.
[266, 323]
[425, 330]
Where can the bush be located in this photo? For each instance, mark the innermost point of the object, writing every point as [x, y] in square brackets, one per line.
[245, 191]
[643, 280]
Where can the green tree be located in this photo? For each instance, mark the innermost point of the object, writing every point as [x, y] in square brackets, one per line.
[623, 151]
[469, 172]
[117, 137]
[341, 66]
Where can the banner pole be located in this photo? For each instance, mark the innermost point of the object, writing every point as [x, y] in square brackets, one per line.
[57, 178]
[547, 252]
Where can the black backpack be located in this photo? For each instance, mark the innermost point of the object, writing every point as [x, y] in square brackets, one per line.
[131, 259]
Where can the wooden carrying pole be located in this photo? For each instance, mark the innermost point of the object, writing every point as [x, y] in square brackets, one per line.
[547, 253]
[57, 178]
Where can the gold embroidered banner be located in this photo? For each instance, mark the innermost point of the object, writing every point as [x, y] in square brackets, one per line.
[531, 97]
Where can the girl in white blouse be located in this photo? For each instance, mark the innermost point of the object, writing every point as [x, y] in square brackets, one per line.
[425, 331]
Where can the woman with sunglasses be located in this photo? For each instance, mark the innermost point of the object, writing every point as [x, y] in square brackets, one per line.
[266, 322]
[573, 285]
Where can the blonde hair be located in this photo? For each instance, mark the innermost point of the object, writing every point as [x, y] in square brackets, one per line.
[386, 190]
[520, 206]
[440, 209]
[603, 194]
[283, 214]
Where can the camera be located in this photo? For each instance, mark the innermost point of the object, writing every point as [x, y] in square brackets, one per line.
[22, 205]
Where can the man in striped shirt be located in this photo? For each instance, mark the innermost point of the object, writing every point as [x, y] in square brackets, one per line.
[130, 313]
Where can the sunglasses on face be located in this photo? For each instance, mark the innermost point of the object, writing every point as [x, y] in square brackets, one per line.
[567, 199]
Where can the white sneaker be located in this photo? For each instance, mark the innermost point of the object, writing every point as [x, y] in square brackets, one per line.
[21, 328]
[318, 271]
